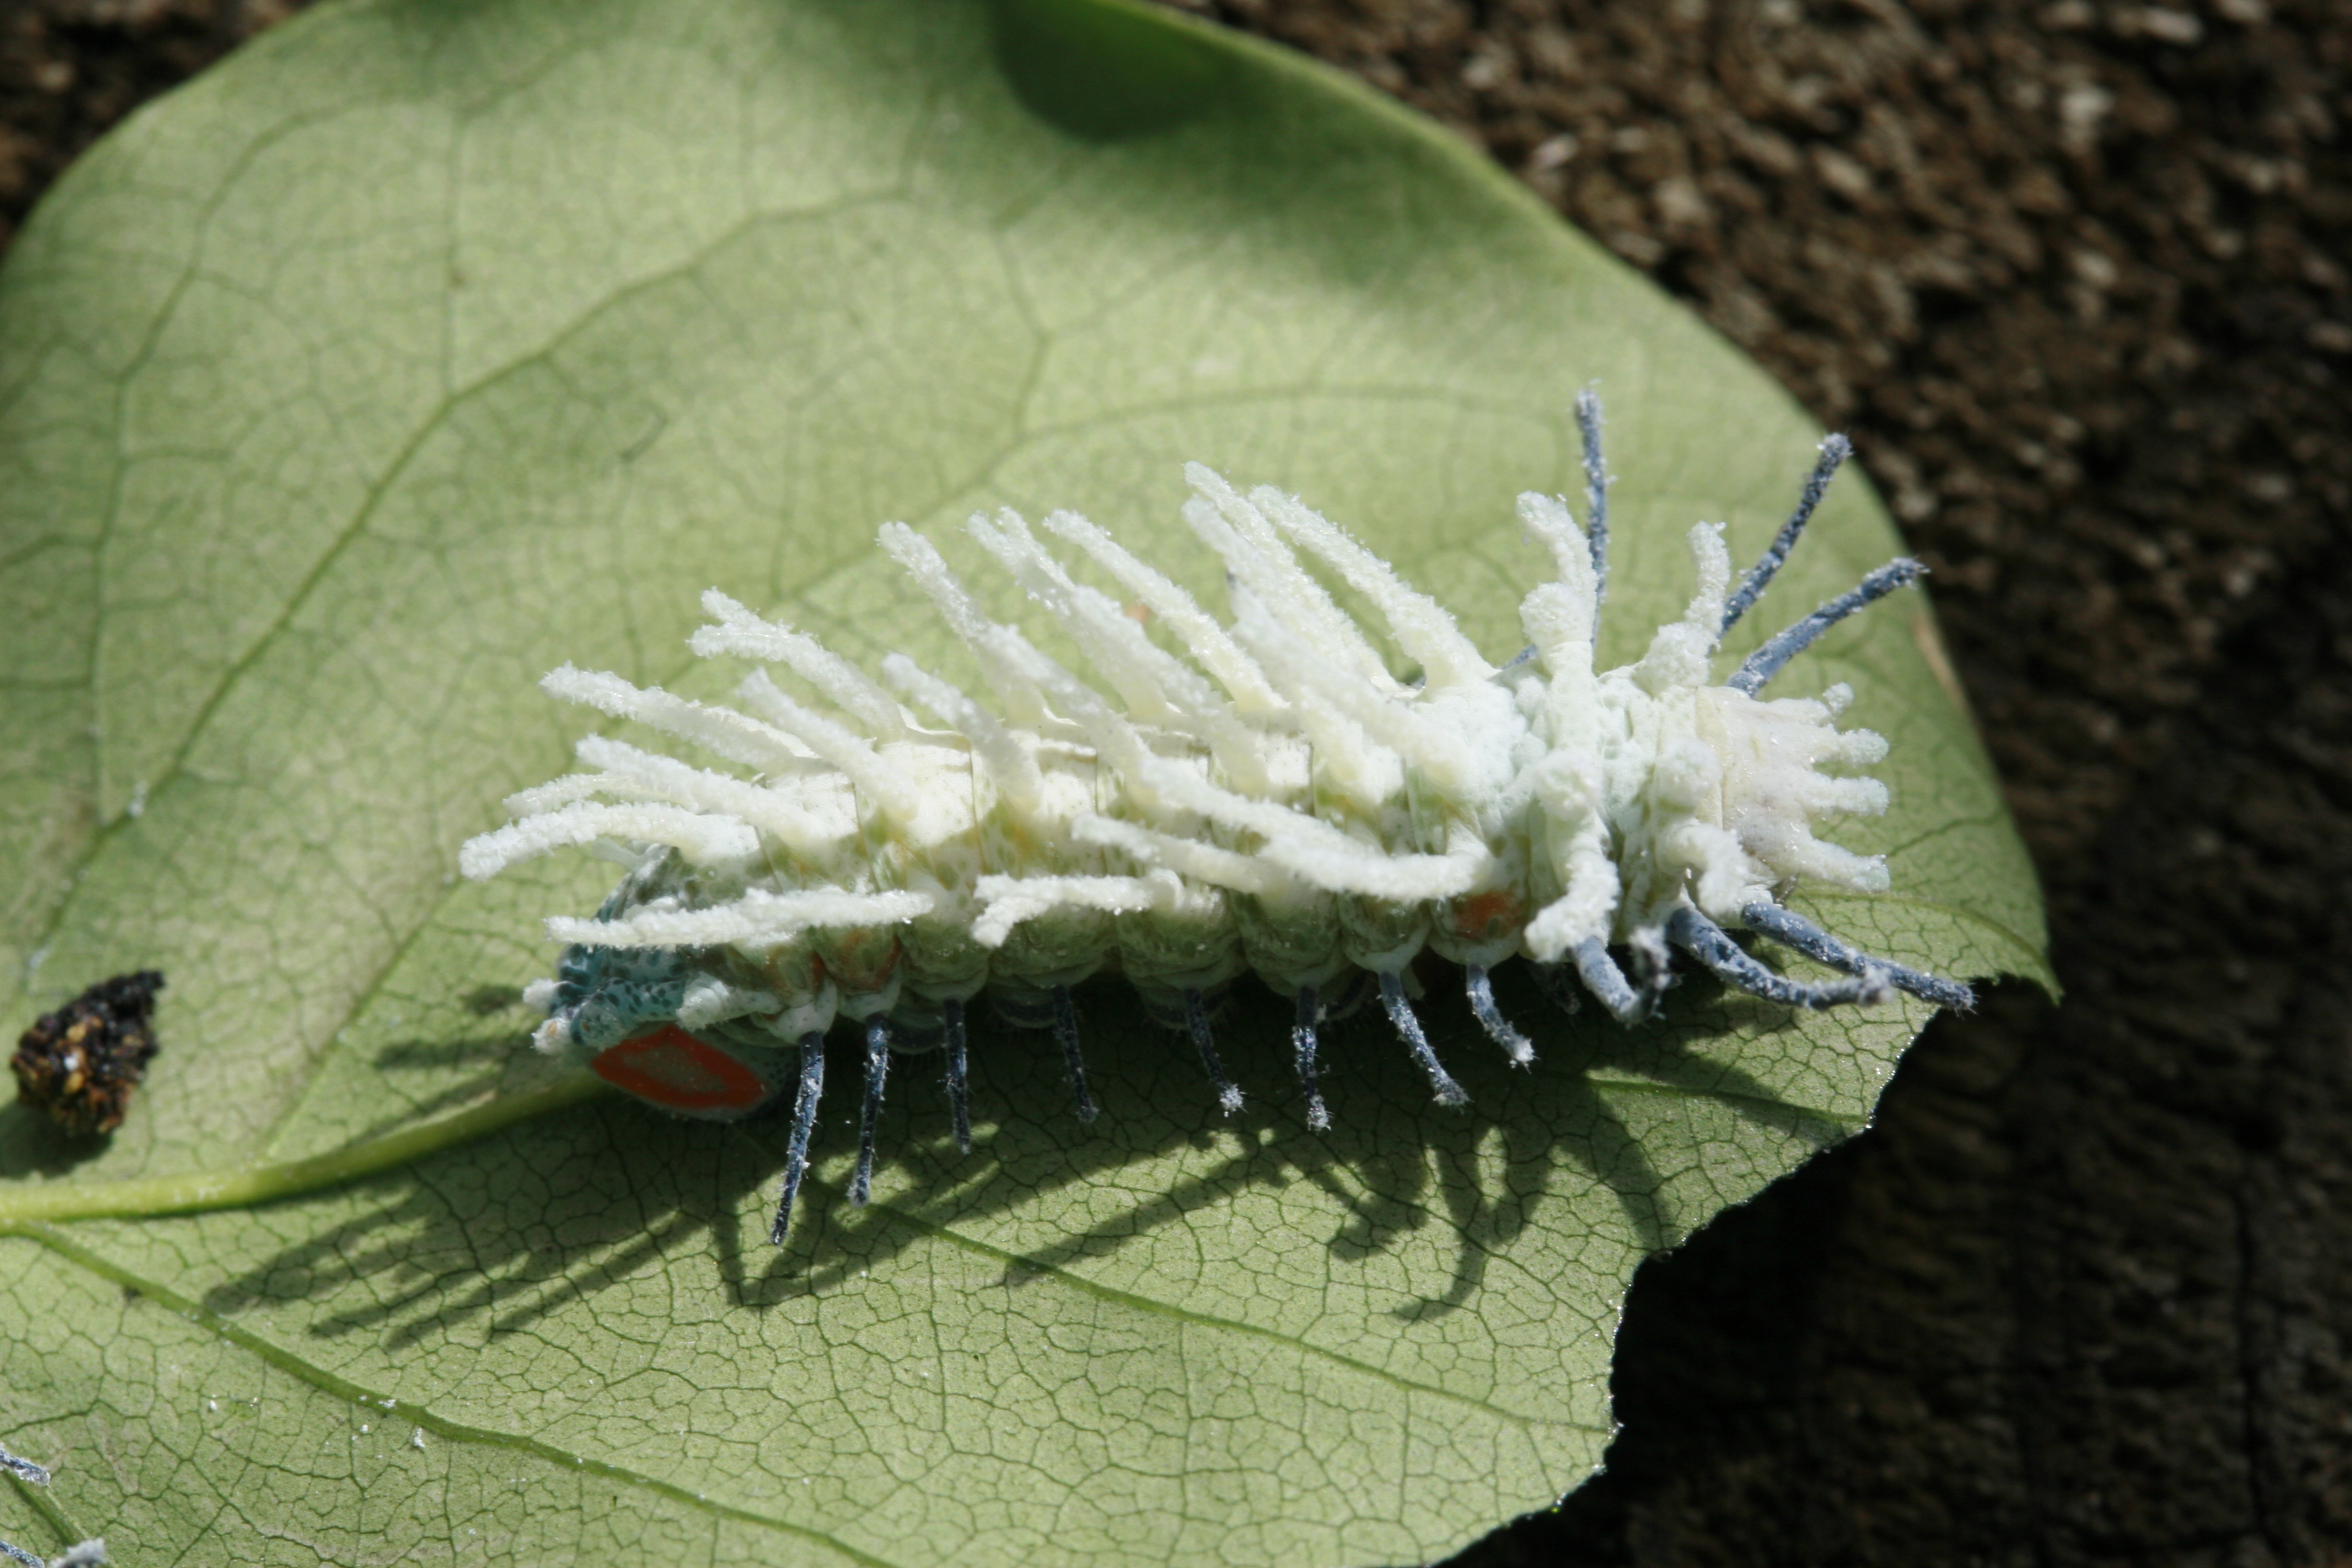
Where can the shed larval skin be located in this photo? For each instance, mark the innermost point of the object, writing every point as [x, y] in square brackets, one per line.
[1262, 795]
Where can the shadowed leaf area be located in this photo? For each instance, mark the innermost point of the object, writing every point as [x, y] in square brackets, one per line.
[420, 348]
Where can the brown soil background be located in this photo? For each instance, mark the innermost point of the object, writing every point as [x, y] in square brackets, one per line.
[2073, 277]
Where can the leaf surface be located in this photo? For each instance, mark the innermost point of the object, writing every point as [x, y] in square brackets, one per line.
[424, 346]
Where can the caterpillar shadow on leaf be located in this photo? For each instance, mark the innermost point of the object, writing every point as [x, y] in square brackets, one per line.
[510, 1233]
[1385, 1172]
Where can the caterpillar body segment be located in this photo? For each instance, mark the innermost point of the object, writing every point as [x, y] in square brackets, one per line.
[1253, 796]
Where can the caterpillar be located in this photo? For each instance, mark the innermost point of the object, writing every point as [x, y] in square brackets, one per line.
[1263, 796]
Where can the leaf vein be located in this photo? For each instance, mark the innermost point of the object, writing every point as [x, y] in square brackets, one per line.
[441, 1427]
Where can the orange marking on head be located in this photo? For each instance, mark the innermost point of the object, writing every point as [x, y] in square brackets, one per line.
[670, 1067]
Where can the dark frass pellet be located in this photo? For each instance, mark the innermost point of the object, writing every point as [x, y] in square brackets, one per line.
[80, 1063]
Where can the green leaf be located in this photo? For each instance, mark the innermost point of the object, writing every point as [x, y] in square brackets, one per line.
[427, 345]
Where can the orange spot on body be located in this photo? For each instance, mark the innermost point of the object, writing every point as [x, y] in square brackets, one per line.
[860, 959]
[1485, 914]
[670, 1067]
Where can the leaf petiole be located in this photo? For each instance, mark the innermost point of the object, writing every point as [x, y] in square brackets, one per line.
[194, 1191]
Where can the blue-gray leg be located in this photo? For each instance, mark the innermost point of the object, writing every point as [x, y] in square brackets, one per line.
[1704, 941]
[1448, 1093]
[1792, 929]
[83, 1554]
[1515, 1044]
[1835, 450]
[1303, 1044]
[959, 1079]
[1767, 661]
[1608, 983]
[803, 1123]
[1066, 1030]
[869, 1116]
[1196, 1019]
